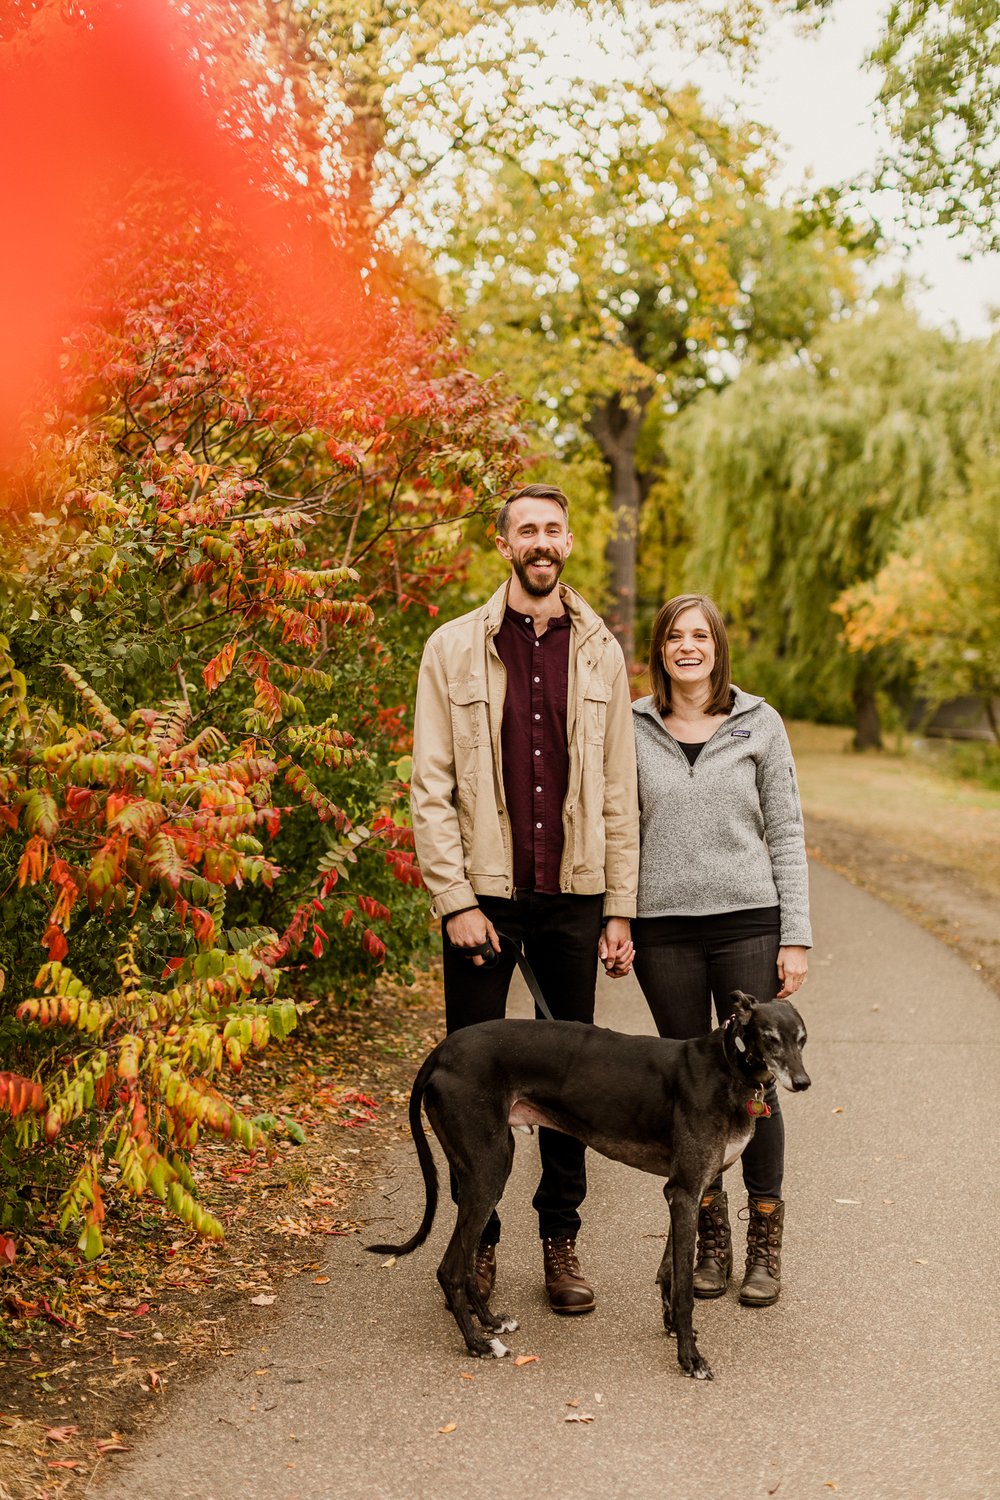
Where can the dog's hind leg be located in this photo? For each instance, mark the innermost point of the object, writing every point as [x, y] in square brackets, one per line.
[496, 1322]
[478, 1194]
[663, 1279]
[682, 1241]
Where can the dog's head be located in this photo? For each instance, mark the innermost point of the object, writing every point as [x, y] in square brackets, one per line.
[770, 1035]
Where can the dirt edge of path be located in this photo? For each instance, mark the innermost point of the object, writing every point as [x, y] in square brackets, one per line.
[945, 901]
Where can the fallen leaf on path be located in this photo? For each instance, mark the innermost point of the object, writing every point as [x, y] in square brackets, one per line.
[855, 1202]
[839, 1109]
[574, 1402]
[919, 1262]
[387, 1264]
[448, 1427]
[263, 1300]
[141, 1310]
[61, 1434]
[464, 1375]
[113, 1444]
[320, 1280]
[579, 1416]
[526, 1359]
[64, 1463]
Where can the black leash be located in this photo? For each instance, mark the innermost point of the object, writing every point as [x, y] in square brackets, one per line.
[491, 957]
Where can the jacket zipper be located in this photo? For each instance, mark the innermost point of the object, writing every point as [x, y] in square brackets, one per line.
[676, 744]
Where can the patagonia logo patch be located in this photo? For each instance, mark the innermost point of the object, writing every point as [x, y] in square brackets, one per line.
[739, 734]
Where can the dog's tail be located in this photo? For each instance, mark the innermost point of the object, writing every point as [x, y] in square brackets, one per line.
[427, 1167]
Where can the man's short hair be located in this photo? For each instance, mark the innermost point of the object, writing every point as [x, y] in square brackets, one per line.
[531, 492]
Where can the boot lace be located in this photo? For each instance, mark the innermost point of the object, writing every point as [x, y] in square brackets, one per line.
[561, 1255]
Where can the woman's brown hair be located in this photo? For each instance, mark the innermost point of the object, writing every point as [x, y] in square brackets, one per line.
[721, 697]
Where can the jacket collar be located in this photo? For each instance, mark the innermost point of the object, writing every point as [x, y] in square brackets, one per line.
[583, 619]
[742, 704]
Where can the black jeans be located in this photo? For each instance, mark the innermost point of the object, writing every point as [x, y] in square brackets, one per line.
[680, 979]
[560, 935]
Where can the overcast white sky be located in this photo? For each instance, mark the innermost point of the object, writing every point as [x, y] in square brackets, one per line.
[818, 97]
[814, 92]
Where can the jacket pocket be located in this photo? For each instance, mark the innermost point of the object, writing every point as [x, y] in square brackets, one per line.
[468, 713]
[595, 711]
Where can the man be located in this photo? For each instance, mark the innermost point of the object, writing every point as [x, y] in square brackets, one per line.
[526, 822]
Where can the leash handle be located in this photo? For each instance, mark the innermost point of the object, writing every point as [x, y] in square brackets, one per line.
[491, 958]
[486, 952]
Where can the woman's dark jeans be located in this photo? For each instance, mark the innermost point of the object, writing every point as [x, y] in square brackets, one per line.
[680, 979]
[560, 935]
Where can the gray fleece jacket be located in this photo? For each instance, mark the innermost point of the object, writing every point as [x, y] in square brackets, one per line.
[725, 833]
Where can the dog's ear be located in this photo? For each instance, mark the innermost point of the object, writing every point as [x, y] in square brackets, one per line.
[743, 1006]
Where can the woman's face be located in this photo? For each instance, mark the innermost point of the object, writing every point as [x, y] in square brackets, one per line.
[689, 649]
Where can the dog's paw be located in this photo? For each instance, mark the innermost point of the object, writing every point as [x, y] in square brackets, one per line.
[699, 1369]
[507, 1324]
[498, 1348]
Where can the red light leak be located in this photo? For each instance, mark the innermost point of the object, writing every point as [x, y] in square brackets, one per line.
[85, 110]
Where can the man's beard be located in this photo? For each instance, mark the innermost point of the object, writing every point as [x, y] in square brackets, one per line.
[538, 590]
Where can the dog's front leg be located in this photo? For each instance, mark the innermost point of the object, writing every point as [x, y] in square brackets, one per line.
[683, 1239]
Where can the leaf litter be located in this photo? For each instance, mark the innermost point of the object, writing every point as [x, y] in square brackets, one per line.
[70, 1360]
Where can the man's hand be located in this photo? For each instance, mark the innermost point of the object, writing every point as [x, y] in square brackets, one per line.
[792, 966]
[615, 950]
[471, 929]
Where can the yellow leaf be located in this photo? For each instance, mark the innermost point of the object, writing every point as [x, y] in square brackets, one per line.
[448, 1427]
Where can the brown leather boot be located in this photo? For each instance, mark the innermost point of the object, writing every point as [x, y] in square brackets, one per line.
[486, 1270]
[568, 1289]
[762, 1281]
[714, 1263]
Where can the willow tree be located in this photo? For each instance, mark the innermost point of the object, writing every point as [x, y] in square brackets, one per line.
[935, 599]
[801, 475]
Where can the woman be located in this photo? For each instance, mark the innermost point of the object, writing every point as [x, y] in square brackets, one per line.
[723, 893]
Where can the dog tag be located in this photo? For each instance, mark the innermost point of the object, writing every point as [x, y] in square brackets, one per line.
[757, 1109]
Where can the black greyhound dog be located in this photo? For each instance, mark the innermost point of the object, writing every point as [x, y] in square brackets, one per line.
[681, 1110]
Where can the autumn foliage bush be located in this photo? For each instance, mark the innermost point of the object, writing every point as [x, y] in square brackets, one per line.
[223, 544]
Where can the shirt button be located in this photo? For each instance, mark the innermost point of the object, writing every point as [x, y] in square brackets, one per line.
[538, 716]
[538, 752]
[527, 619]
[538, 789]
[537, 679]
[538, 825]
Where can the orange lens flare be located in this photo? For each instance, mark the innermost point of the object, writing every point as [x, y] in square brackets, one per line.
[134, 93]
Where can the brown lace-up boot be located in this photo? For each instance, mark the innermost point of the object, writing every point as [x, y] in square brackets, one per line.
[762, 1281]
[714, 1263]
[568, 1289]
[486, 1270]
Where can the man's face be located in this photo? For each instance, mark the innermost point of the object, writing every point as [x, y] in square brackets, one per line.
[537, 544]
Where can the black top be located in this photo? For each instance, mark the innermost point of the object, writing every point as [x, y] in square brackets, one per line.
[749, 922]
[692, 751]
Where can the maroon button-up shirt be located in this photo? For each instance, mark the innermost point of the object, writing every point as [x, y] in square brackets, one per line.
[534, 745]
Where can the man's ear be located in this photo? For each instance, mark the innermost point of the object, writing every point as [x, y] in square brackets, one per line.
[503, 547]
[569, 543]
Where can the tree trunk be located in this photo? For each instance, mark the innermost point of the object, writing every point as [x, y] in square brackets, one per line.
[867, 725]
[615, 426]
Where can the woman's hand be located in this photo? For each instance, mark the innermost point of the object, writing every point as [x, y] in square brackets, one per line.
[793, 965]
[615, 949]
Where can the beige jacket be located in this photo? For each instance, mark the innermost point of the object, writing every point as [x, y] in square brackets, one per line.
[460, 821]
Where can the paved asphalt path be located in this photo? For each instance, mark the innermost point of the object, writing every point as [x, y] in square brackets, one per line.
[874, 1377]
